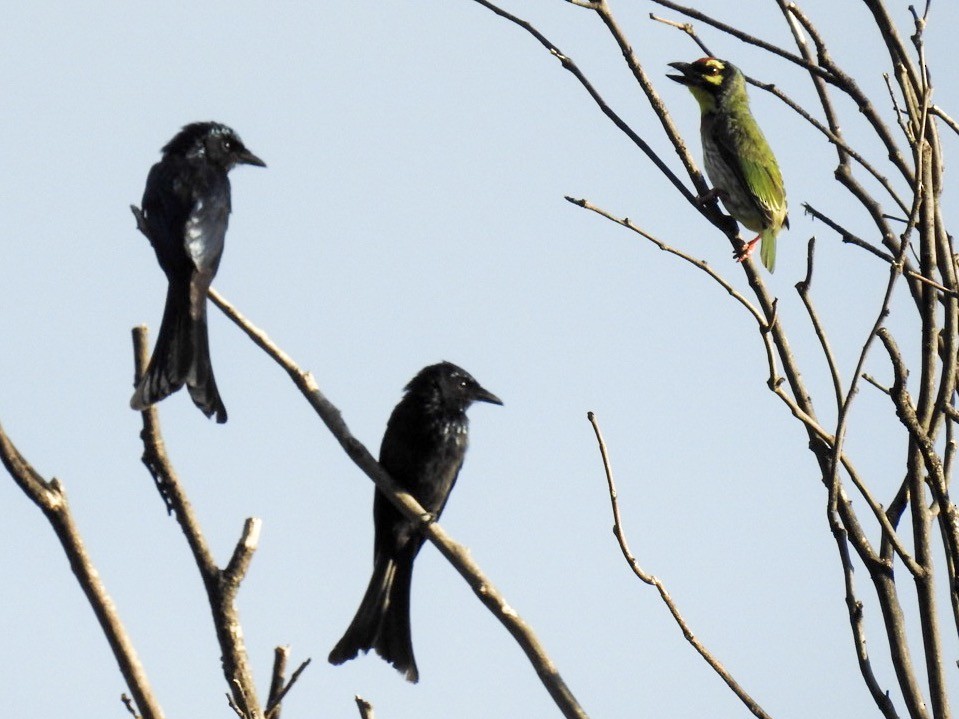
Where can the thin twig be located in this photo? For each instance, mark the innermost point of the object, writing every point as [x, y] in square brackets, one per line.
[854, 608]
[826, 69]
[768, 329]
[875, 383]
[700, 264]
[273, 708]
[803, 288]
[941, 114]
[568, 64]
[751, 704]
[686, 27]
[51, 498]
[832, 132]
[851, 239]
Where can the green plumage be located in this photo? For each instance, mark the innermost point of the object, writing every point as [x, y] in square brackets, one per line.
[737, 157]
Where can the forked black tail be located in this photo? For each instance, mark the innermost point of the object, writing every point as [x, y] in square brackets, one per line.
[181, 356]
[383, 620]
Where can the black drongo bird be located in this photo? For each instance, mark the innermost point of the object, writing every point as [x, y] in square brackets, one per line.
[422, 450]
[186, 208]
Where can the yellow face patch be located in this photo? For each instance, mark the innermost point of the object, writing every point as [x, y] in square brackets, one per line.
[710, 70]
[705, 98]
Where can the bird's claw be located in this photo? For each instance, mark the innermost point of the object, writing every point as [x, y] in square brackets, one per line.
[710, 196]
[746, 250]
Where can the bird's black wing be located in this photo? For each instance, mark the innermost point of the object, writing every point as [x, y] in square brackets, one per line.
[167, 203]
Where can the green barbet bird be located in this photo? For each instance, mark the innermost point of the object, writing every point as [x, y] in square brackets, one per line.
[738, 160]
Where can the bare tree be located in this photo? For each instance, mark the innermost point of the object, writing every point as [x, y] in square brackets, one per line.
[907, 231]
[223, 584]
[899, 190]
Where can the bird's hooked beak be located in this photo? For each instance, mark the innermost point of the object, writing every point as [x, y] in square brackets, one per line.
[689, 77]
[248, 158]
[484, 395]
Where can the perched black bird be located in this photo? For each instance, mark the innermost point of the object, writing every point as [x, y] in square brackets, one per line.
[422, 450]
[186, 208]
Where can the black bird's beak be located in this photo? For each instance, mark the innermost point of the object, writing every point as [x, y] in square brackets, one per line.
[484, 395]
[687, 78]
[248, 158]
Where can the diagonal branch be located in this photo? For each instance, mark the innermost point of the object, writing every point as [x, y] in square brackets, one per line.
[279, 690]
[700, 264]
[751, 704]
[51, 498]
[457, 554]
[568, 64]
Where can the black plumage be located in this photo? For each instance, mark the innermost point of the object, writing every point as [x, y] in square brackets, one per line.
[422, 450]
[186, 208]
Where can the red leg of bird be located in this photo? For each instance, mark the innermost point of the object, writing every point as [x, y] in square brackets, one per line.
[746, 249]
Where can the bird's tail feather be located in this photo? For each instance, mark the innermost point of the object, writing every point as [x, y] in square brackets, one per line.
[767, 252]
[170, 362]
[394, 641]
[181, 356]
[199, 380]
[382, 621]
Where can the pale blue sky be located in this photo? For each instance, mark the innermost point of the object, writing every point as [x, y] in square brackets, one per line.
[413, 211]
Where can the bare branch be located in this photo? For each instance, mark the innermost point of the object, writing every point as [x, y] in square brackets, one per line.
[280, 656]
[455, 553]
[941, 114]
[803, 288]
[751, 704]
[51, 498]
[809, 420]
[221, 586]
[825, 69]
[568, 64]
[700, 264]
[686, 27]
[366, 709]
[273, 707]
[832, 132]
[851, 239]
[854, 608]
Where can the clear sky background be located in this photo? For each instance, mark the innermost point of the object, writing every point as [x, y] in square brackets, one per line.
[413, 211]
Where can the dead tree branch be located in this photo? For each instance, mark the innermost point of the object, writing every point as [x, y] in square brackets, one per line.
[221, 585]
[51, 498]
[457, 554]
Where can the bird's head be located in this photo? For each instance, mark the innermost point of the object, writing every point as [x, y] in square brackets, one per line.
[449, 387]
[712, 82]
[214, 142]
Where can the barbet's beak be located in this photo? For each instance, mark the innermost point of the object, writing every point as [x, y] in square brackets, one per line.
[684, 67]
[484, 395]
[248, 158]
